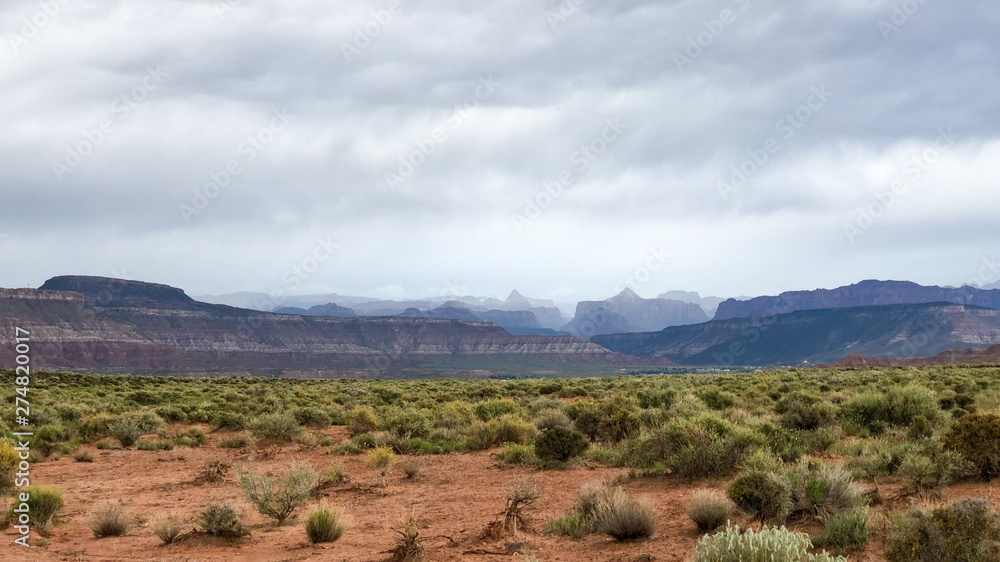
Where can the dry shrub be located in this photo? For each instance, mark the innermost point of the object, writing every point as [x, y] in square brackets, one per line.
[83, 456]
[214, 471]
[412, 468]
[520, 499]
[709, 510]
[221, 520]
[167, 526]
[408, 547]
[624, 518]
[279, 497]
[109, 520]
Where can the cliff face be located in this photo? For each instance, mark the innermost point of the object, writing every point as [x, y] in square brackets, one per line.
[865, 293]
[818, 336]
[627, 312]
[107, 323]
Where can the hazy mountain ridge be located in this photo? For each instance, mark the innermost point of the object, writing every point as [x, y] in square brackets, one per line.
[709, 304]
[627, 312]
[865, 293]
[140, 327]
[546, 314]
[818, 336]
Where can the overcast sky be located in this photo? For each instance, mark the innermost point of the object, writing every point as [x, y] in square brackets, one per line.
[633, 114]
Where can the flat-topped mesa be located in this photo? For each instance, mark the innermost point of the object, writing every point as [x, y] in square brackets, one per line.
[107, 292]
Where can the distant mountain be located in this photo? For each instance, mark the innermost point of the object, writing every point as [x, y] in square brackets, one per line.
[545, 311]
[451, 310]
[865, 293]
[818, 336]
[329, 309]
[112, 325]
[993, 286]
[627, 312]
[708, 304]
[265, 302]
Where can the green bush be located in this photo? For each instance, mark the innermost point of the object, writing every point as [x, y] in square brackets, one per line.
[574, 525]
[550, 418]
[805, 412]
[965, 531]
[363, 420]
[228, 420]
[763, 495]
[221, 520]
[822, 490]
[513, 453]
[278, 498]
[977, 438]
[920, 429]
[172, 413]
[709, 510]
[96, 426]
[311, 416]
[325, 524]
[493, 409]
[125, 430]
[235, 441]
[586, 416]
[704, 446]
[770, 544]
[619, 419]
[195, 436]
[155, 445]
[559, 445]
[44, 502]
[846, 531]
[718, 399]
[409, 424]
[281, 426]
[895, 407]
[932, 467]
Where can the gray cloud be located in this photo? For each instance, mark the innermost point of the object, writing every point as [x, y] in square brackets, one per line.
[454, 218]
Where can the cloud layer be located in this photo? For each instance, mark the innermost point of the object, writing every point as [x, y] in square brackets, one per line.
[480, 146]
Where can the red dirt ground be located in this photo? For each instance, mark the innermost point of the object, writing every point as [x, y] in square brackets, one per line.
[457, 496]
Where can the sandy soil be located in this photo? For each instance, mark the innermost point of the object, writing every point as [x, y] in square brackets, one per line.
[456, 498]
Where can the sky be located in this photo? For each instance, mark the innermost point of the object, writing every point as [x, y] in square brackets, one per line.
[418, 148]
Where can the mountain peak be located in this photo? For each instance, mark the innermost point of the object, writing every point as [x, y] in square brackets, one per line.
[515, 296]
[627, 293]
